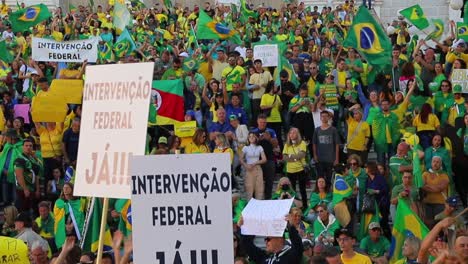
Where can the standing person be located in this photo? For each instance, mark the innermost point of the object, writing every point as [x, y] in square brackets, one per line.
[11, 150]
[426, 124]
[251, 157]
[385, 131]
[325, 147]
[70, 140]
[268, 141]
[50, 138]
[436, 188]
[259, 81]
[27, 171]
[288, 91]
[377, 186]
[301, 107]
[271, 106]
[294, 154]
[358, 134]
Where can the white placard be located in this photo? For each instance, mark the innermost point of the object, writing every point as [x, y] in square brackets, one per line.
[265, 217]
[114, 120]
[268, 53]
[460, 76]
[65, 51]
[182, 207]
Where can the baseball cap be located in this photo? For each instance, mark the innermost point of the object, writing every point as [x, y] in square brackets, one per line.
[162, 140]
[220, 49]
[458, 43]
[190, 113]
[457, 89]
[232, 117]
[452, 201]
[374, 225]
[183, 54]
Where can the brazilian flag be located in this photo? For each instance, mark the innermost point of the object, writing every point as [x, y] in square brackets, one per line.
[341, 189]
[210, 29]
[415, 16]
[23, 19]
[369, 39]
[246, 13]
[438, 29]
[105, 52]
[91, 238]
[462, 31]
[406, 224]
[5, 55]
[124, 44]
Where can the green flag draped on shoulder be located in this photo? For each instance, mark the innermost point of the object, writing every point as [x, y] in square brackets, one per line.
[30, 16]
[62, 214]
[284, 64]
[406, 224]
[415, 16]
[369, 39]
[207, 28]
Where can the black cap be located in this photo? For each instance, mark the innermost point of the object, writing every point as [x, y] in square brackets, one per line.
[23, 217]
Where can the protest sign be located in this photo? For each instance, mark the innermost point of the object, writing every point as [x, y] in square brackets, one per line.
[13, 251]
[185, 202]
[65, 51]
[185, 129]
[460, 77]
[268, 53]
[265, 218]
[22, 110]
[113, 127]
[48, 107]
[71, 90]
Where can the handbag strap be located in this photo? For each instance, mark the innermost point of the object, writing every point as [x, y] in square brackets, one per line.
[355, 132]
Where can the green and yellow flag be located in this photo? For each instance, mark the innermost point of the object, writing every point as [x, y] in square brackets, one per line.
[462, 31]
[284, 64]
[341, 189]
[121, 16]
[245, 12]
[369, 39]
[91, 238]
[210, 29]
[406, 224]
[72, 8]
[5, 55]
[62, 212]
[124, 44]
[23, 19]
[105, 52]
[438, 29]
[415, 16]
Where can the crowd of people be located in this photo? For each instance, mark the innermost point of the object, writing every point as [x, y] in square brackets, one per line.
[362, 138]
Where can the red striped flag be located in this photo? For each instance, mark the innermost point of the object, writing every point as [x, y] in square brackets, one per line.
[168, 99]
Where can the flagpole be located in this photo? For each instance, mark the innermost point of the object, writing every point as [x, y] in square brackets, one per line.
[102, 230]
[89, 213]
[195, 35]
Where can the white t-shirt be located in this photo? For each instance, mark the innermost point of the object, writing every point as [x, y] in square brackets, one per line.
[27, 70]
[252, 153]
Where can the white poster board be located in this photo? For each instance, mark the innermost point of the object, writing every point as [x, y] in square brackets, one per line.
[460, 76]
[268, 53]
[65, 51]
[116, 102]
[182, 206]
[265, 217]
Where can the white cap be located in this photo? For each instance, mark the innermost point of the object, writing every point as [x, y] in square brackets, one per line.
[458, 42]
[183, 54]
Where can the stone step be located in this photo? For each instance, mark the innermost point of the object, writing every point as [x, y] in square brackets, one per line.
[51, 4]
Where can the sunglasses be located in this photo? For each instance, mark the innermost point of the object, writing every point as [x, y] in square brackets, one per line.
[312, 68]
[353, 163]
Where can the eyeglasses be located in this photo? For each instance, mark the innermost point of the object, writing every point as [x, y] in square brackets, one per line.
[375, 229]
[320, 211]
[306, 61]
[343, 239]
[267, 239]
[312, 68]
[353, 163]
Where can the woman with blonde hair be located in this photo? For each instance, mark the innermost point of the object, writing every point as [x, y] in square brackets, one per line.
[294, 153]
[252, 157]
[198, 144]
[222, 146]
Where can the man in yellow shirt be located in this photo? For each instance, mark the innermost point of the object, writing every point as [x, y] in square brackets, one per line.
[346, 240]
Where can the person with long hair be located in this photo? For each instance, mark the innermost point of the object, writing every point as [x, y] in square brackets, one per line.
[222, 146]
[69, 215]
[441, 98]
[460, 161]
[271, 102]
[320, 195]
[252, 157]
[325, 226]
[198, 144]
[294, 154]
[357, 178]
[173, 143]
[426, 124]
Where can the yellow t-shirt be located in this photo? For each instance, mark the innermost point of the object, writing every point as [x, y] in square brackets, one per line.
[262, 80]
[312, 86]
[57, 35]
[192, 148]
[431, 124]
[269, 100]
[435, 198]
[357, 259]
[358, 139]
[226, 150]
[204, 69]
[295, 166]
[51, 141]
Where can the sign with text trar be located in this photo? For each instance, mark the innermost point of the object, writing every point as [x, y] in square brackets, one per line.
[65, 51]
[268, 53]
[185, 202]
[113, 127]
[460, 77]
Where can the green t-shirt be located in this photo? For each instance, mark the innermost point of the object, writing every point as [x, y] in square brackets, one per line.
[414, 193]
[375, 249]
[31, 170]
[394, 164]
[357, 63]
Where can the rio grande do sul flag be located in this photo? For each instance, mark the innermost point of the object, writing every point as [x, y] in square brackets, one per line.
[168, 99]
